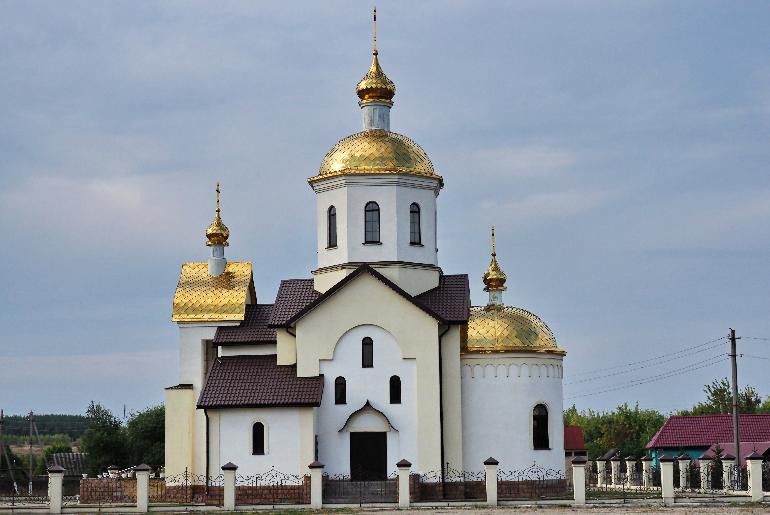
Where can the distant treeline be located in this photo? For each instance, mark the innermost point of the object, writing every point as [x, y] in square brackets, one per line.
[72, 425]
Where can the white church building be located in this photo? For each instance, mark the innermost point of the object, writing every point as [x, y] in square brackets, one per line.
[378, 355]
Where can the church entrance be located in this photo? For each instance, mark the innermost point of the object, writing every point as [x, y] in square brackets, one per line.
[368, 456]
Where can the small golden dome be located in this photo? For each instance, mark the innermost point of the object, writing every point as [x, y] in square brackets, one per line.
[376, 151]
[494, 277]
[496, 328]
[217, 233]
[375, 85]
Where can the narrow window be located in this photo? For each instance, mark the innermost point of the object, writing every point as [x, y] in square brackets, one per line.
[395, 390]
[372, 223]
[540, 427]
[415, 237]
[340, 395]
[258, 438]
[367, 353]
[331, 233]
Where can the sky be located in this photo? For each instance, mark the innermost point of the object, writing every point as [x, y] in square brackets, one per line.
[620, 148]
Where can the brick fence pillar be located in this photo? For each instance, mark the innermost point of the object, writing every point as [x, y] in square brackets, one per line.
[579, 479]
[142, 473]
[55, 486]
[490, 468]
[667, 479]
[601, 466]
[404, 470]
[316, 484]
[646, 472]
[228, 496]
[754, 463]
[630, 468]
[684, 469]
[615, 469]
[705, 472]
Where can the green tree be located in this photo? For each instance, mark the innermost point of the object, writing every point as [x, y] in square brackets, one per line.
[719, 400]
[146, 436]
[104, 440]
[628, 429]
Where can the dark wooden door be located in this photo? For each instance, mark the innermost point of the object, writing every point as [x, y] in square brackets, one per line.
[368, 456]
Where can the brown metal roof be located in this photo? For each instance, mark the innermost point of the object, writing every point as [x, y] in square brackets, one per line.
[293, 295]
[450, 299]
[253, 329]
[257, 382]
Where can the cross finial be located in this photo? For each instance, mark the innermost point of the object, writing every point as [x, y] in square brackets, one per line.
[493, 240]
[217, 197]
[375, 30]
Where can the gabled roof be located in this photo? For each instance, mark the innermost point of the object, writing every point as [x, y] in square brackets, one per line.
[73, 463]
[200, 297]
[365, 268]
[293, 295]
[573, 439]
[706, 430]
[450, 299]
[747, 448]
[257, 382]
[253, 329]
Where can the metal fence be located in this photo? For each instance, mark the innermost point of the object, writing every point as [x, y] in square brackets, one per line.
[534, 482]
[186, 488]
[628, 484]
[341, 489]
[272, 487]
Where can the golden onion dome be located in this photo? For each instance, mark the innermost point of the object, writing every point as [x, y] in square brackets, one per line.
[376, 151]
[497, 328]
[375, 85]
[217, 233]
[494, 277]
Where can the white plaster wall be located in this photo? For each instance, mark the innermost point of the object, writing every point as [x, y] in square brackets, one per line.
[394, 194]
[372, 384]
[498, 395]
[289, 442]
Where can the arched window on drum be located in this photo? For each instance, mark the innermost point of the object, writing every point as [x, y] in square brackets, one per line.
[540, 427]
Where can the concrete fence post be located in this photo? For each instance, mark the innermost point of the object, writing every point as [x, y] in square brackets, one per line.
[55, 486]
[646, 472]
[728, 471]
[667, 479]
[228, 496]
[705, 472]
[404, 469]
[316, 484]
[615, 469]
[490, 469]
[601, 466]
[684, 469]
[579, 479]
[630, 469]
[754, 464]
[142, 473]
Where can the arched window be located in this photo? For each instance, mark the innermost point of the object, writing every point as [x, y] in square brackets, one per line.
[395, 390]
[340, 394]
[540, 427]
[371, 223]
[258, 438]
[367, 353]
[331, 227]
[415, 236]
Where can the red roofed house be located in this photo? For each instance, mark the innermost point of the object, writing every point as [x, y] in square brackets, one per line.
[694, 435]
[574, 445]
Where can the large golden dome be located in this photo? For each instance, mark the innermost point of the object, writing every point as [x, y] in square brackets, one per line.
[498, 328]
[376, 151]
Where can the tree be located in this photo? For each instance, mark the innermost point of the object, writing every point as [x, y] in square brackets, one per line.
[628, 429]
[719, 400]
[104, 440]
[146, 435]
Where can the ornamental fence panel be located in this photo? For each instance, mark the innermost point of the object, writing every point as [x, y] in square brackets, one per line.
[534, 482]
[454, 485]
[342, 489]
[272, 487]
[627, 485]
[766, 476]
[100, 491]
[186, 488]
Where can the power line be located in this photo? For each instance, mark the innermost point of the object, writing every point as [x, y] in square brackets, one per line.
[652, 379]
[619, 372]
[756, 357]
[684, 350]
[755, 338]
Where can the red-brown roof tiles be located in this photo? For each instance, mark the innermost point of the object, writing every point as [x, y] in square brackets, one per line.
[293, 295]
[253, 329]
[705, 430]
[450, 299]
[573, 438]
[258, 381]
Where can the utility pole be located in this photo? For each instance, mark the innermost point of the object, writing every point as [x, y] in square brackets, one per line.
[736, 435]
[30, 453]
[5, 452]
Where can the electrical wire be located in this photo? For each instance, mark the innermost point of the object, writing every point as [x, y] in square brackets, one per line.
[755, 357]
[684, 350]
[755, 338]
[665, 375]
